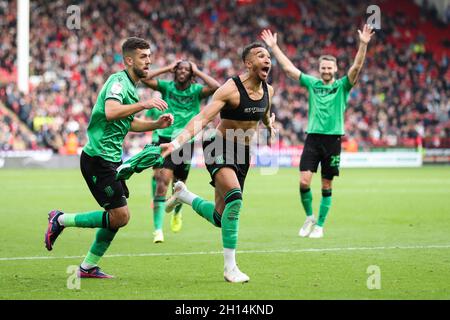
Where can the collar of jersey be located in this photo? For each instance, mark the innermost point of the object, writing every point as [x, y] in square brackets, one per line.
[129, 77]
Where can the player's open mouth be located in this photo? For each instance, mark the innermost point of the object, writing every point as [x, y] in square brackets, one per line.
[265, 71]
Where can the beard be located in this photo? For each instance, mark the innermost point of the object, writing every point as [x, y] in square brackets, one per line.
[327, 77]
[140, 73]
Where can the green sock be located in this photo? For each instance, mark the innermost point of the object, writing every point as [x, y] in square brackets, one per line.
[325, 205]
[230, 218]
[101, 243]
[178, 208]
[206, 210]
[153, 187]
[306, 197]
[159, 205]
[93, 219]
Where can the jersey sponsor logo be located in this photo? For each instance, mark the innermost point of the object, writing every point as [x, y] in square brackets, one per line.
[183, 100]
[254, 110]
[325, 91]
[116, 88]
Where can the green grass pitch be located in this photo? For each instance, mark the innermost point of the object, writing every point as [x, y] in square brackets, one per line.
[395, 219]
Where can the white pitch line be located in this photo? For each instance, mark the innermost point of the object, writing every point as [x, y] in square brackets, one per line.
[240, 252]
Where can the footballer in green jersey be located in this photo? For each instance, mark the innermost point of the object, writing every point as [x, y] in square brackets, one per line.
[112, 117]
[327, 103]
[183, 97]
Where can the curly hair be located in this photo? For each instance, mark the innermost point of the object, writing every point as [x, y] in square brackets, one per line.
[191, 77]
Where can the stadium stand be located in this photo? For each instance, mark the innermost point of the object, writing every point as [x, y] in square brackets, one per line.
[401, 99]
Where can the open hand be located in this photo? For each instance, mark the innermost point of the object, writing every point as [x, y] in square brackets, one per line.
[173, 65]
[269, 38]
[366, 34]
[194, 68]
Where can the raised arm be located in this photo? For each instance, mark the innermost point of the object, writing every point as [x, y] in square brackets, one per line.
[286, 64]
[211, 84]
[199, 122]
[364, 38]
[153, 83]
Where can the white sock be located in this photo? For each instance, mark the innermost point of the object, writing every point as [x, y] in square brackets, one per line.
[187, 197]
[229, 256]
[87, 266]
[61, 220]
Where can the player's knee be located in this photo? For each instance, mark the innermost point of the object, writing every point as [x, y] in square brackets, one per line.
[162, 183]
[119, 219]
[305, 183]
[161, 189]
[326, 184]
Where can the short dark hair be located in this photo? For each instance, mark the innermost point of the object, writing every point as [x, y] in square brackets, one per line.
[134, 43]
[327, 57]
[251, 46]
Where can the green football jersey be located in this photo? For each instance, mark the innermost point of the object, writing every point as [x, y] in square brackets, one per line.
[327, 104]
[182, 104]
[105, 138]
[154, 115]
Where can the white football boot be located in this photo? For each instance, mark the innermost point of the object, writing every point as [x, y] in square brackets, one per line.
[235, 275]
[307, 227]
[179, 190]
[158, 236]
[317, 232]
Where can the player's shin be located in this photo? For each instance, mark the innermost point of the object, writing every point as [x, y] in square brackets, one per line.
[325, 205]
[306, 199]
[206, 210]
[153, 187]
[101, 243]
[159, 205]
[230, 226]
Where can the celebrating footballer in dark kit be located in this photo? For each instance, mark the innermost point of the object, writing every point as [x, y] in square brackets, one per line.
[242, 102]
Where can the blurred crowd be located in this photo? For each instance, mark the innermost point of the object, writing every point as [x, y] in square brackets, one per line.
[401, 98]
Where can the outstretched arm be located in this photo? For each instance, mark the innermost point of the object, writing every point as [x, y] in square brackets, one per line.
[153, 83]
[199, 122]
[211, 84]
[286, 64]
[364, 38]
[141, 125]
[114, 110]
